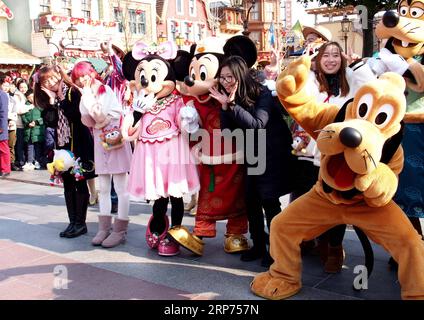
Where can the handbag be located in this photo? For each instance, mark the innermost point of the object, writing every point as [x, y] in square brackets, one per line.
[111, 139]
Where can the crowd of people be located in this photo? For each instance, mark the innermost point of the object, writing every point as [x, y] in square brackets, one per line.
[75, 109]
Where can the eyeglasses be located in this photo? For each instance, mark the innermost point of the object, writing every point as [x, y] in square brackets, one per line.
[227, 79]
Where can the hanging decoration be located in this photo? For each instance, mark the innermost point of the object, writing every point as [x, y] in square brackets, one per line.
[56, 20]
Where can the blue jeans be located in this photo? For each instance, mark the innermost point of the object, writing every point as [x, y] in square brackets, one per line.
[35, 152]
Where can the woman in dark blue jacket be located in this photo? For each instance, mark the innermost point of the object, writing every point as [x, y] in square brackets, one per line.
[249, 106]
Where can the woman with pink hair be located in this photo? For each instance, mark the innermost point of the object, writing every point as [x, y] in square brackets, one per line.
[101, 111]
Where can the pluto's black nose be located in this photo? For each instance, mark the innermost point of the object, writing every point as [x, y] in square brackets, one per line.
[350, 137]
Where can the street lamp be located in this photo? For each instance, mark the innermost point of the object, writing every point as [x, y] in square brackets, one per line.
[238, 4]
[72, 33]
[345, 24]
[48, 31]
[161, 38]
[179, 40]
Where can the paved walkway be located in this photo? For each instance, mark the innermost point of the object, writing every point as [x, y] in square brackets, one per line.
[36, 264]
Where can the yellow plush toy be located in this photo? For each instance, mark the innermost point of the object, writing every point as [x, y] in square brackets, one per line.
[356, 183]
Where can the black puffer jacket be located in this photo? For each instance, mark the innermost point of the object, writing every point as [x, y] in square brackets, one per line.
[277, 178]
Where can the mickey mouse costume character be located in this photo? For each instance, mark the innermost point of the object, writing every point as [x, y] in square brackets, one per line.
[405, 37]
[162, 166]
[221, 195]
[360, 161]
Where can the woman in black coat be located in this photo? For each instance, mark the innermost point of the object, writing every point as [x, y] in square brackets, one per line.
[249, 106]
[61, 114]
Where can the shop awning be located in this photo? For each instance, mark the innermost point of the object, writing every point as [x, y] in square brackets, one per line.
[5, 11]
[12, 55]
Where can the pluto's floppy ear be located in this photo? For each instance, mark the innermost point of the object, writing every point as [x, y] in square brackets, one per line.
[241, 46]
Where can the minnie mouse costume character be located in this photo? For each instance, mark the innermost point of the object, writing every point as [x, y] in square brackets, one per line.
[162, 166]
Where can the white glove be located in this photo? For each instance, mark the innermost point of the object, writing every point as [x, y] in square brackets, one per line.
[189, 118]
[388, 62]
[394, 62]
[142, 102]
[377, 66]
[271, 85]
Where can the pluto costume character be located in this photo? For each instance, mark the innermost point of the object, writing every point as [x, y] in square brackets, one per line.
[352, 158]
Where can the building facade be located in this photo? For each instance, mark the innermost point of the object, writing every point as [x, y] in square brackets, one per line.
[124, 22]
[265, 22]
[13, 59]
[184, 21]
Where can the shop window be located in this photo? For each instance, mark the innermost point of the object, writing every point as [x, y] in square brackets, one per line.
[137, 21]
[86, 8]
[66, 8]
[117, 13]
[179, 6]
[44, 6]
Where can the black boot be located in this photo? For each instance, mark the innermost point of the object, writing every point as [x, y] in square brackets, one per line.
[80, 227]
[70, 207]
[254, 253]
[267, 260]
[393, 264]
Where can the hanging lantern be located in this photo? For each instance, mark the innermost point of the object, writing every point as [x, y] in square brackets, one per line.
[138, 11]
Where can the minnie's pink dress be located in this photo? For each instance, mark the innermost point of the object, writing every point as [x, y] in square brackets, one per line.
[162, 164]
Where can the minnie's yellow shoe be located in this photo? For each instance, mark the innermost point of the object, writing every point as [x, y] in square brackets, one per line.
[185, 238]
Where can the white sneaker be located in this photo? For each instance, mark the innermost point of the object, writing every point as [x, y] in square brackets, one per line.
[37, 165]
[28, 167]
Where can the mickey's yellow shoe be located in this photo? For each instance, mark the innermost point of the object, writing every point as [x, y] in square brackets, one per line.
[235, 243]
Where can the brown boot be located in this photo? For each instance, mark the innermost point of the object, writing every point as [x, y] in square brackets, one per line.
[322, 249]
[335, 259]
[105, 223]
[118, 234]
